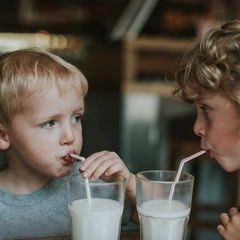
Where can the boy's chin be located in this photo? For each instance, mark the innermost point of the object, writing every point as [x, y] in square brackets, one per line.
[64, 172]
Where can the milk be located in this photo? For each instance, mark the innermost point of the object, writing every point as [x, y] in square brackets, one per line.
[162, 221]
[98, 220]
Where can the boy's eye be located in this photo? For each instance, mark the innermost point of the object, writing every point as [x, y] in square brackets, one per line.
[205, 108]
[48, 124]
[76, 119]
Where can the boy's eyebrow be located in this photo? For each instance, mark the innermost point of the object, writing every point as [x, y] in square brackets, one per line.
[200, 99]
[80, 108]
[197, 99]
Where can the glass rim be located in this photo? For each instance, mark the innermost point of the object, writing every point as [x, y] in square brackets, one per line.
[190, 179]
[71, 177]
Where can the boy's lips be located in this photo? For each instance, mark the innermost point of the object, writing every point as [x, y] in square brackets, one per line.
[67, 158]
[208, 153]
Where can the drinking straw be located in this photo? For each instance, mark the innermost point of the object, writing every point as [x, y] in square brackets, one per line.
[180, 170]
[86, 179]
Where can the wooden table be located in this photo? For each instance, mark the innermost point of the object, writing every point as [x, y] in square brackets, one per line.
[125, 235]
[130, 235]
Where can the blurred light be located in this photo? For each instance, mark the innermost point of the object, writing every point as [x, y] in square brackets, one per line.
[42, 39]
[63, 44]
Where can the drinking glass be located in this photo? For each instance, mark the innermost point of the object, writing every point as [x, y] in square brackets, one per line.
[96, 207]
[162, 218]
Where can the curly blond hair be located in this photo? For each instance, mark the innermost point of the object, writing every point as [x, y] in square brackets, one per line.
[211, 62]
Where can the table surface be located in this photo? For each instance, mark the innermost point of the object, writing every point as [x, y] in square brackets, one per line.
[125, 235]
[130, 235]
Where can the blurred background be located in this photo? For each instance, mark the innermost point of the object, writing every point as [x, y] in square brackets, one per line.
[128, 50]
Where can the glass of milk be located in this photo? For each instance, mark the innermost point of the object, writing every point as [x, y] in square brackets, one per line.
[97, 218]
[159, 218]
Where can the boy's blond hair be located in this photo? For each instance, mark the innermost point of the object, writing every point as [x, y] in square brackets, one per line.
[25, 71]
[212, 62]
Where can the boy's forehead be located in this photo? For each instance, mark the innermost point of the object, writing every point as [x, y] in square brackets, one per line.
[50, 94]
[40, 108]
[44, 90]
[207, 94]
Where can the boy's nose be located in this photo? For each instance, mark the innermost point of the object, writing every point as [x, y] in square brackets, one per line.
[198, 128]
[67, 136]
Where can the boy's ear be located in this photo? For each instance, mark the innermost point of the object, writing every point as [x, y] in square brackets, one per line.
[4, 139]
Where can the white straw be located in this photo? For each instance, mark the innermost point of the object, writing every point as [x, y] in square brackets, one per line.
[86, 179]
[180, 170]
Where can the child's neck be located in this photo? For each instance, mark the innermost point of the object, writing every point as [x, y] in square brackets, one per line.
[20, 182]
